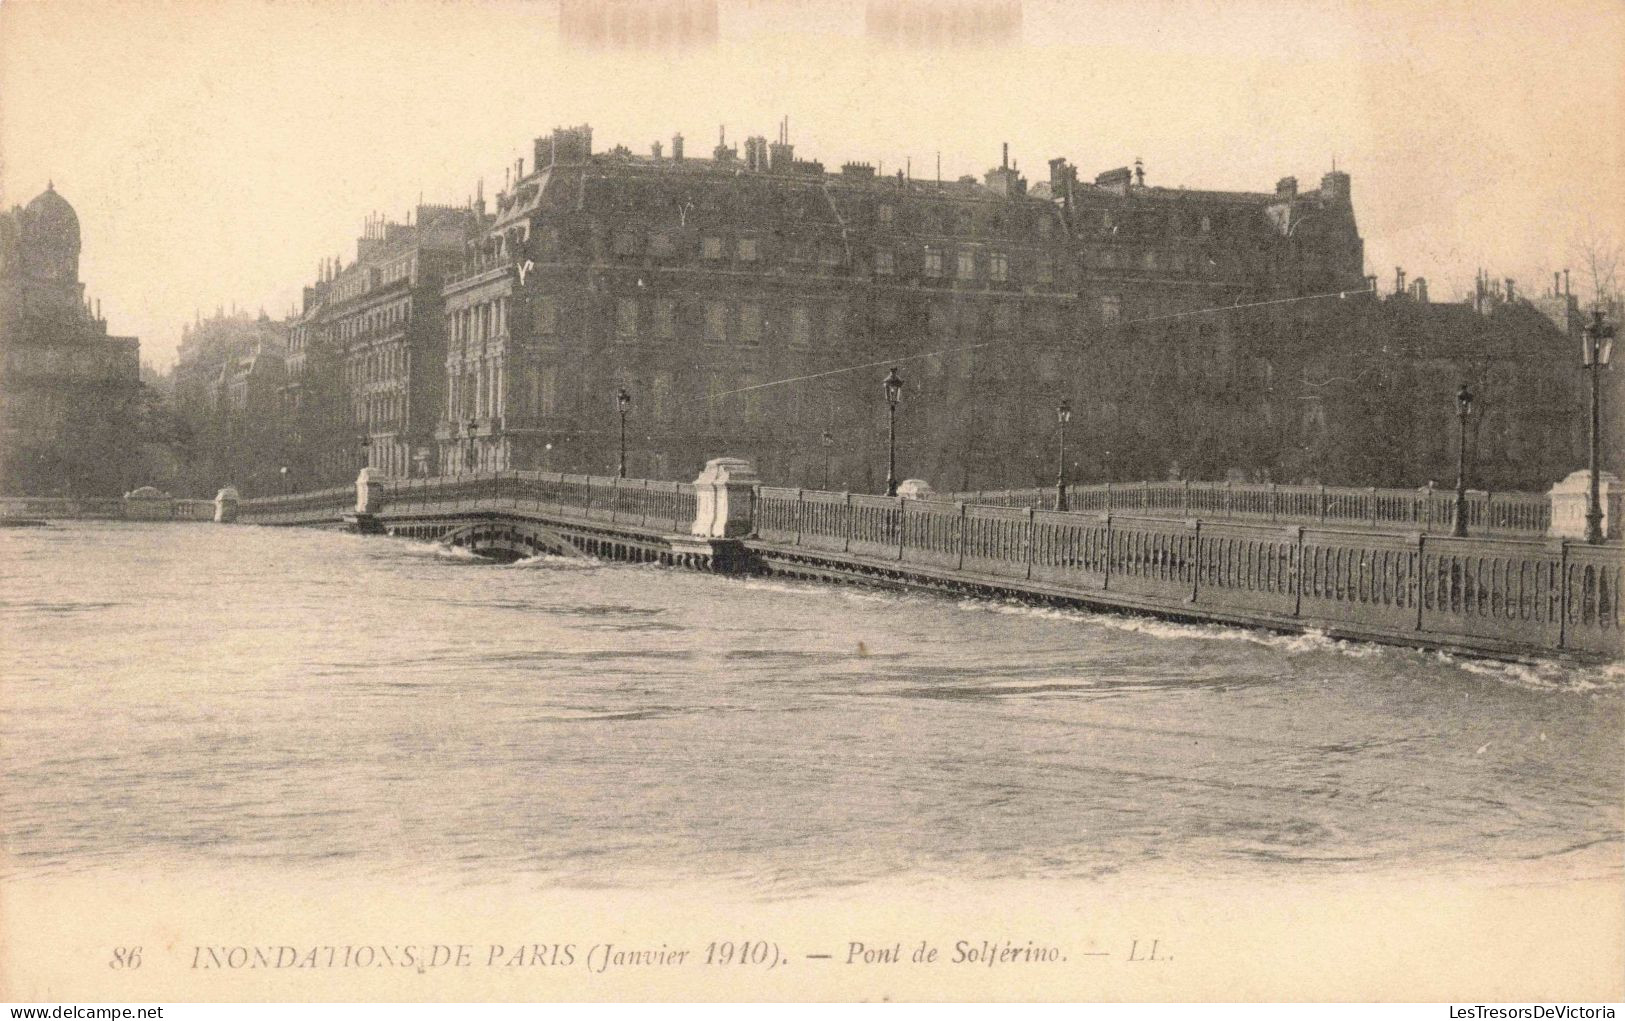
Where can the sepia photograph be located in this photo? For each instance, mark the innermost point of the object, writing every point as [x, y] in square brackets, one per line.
[811, 500]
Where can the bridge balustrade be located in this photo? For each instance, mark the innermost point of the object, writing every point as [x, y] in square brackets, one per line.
[1483, 591]
[1429, 509]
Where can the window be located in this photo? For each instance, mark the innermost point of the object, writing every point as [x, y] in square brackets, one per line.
[933, 261]
[998, 266]
[1111, 310]
[887, 214]
[885, 264]
[967, 264]
[545, 391]
[752, 395]
[1046, 226]
[711, 248]
[835, 323]
[1149, 260]
[660, 397]
[716, 322]
[938, 319]
[626, 318]
[665, 318]
[660, 246]
[830, 254]
[1046, 270]
[750, 324]
[747, 249]
[1207, 225]
[547, 315]
[626, 242]
[1004, 317]
[800, 327]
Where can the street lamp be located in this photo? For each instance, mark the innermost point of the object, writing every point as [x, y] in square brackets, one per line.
[1063, 415]
[1596, 345]
[468, 461]
[894, 395]
[1464, 407]
[623, 402]
[283, 471]
[828, 442]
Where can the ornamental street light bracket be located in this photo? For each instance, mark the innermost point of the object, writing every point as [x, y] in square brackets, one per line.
[623, 404]
[1063, 415]
[1596, 347]
[1464, 407]
[894, 396]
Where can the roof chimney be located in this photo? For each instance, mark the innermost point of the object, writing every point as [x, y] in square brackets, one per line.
[677, 146]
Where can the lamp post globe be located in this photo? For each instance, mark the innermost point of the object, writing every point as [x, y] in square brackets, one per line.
[1596, 348]
[894, 396]
[1464, 407]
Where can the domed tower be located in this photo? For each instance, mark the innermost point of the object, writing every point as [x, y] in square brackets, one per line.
[50, 238]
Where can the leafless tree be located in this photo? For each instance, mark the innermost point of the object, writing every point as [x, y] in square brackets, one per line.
[1598, 255]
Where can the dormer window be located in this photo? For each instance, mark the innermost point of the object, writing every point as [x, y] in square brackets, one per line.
[711, 248]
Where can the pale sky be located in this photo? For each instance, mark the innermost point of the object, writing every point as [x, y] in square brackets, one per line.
[217, 149]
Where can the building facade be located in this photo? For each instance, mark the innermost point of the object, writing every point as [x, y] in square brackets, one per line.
[68, 390]
[367, 353]
[698, 284]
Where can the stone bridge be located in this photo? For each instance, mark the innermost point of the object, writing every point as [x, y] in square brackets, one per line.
[1518, 598]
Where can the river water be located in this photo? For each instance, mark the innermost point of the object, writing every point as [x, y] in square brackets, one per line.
[190, 695]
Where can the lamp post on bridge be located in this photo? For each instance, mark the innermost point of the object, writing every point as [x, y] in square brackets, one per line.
[283, 471]
[828, 443]
[468, 461]
[1063, 415]
[623, 402]
[1464, 407]
[1596, 345]
[894, 395]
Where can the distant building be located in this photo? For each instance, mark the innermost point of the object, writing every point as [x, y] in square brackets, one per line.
[366, 358]
[750, 301]
[221, 356]
[693, 282]
[68, 390]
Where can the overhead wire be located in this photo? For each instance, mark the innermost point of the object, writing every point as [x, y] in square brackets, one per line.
[994, 343]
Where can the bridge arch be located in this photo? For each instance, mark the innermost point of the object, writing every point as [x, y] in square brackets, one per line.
[508, 541]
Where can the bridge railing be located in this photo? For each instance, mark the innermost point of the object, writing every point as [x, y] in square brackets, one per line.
[323, 506]
[1429, 509]
[1544, 594]
[111, 508]
[645, 503]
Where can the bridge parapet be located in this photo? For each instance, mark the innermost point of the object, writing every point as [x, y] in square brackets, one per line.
[1512, 597]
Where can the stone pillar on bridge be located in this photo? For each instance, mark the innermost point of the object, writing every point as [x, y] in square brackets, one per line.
[725, 499]
[724, 514]
[1571, 498]
[371, 489]
[915, 489]
[225, 505]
